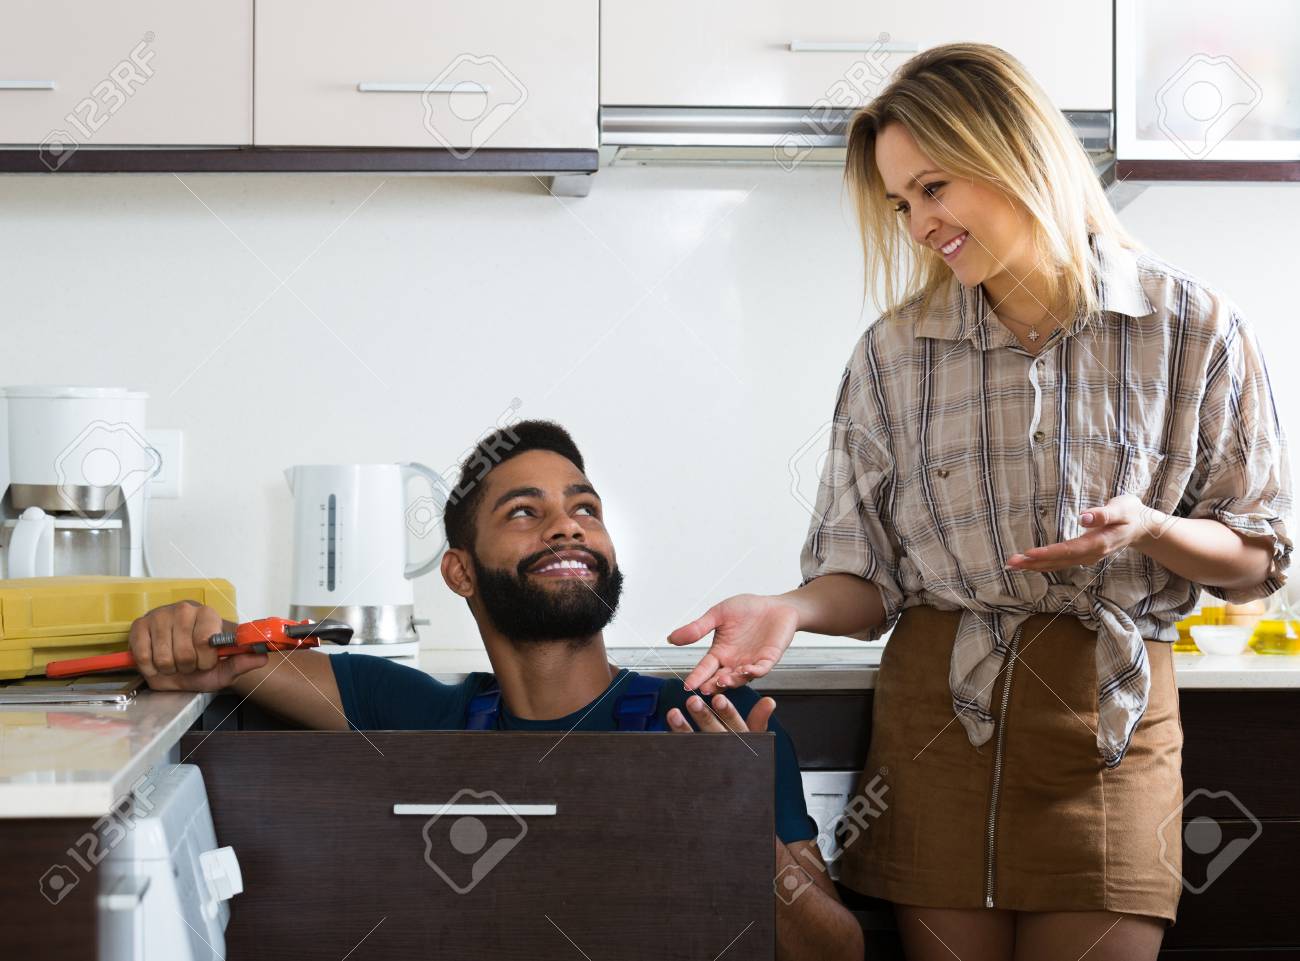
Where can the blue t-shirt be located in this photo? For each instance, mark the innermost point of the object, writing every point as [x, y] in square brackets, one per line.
[379, 695]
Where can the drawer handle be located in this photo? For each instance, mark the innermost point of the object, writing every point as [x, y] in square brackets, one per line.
[838, 46]
[26, 84]
[461, 86]
[481, 810]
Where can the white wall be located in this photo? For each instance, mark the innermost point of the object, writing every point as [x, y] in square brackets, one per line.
[687, 324]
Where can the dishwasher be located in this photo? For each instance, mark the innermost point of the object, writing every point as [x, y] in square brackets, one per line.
[165, 885]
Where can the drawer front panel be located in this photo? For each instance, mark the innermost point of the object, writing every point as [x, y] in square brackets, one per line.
[660, 846]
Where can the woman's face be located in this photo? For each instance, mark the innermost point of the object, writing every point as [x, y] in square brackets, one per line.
[937, 208]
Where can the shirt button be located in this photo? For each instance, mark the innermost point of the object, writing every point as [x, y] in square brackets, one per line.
[1038, 436]
[942, 472]
[1042, 511]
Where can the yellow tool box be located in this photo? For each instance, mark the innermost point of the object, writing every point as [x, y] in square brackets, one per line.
[45, 619]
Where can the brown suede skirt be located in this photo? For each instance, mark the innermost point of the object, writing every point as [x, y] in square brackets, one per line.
[1062, 832]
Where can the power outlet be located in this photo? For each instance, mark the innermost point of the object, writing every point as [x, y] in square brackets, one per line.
[168, 443]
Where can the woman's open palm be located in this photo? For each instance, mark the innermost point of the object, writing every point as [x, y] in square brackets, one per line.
[750, 633]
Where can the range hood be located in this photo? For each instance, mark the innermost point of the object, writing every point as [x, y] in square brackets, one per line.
[786, 137]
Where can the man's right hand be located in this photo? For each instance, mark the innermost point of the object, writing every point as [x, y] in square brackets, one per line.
[170, 647]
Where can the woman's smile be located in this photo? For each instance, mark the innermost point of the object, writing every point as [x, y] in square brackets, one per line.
[952, 248]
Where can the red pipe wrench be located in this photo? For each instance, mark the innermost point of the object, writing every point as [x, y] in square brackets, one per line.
[250, 637]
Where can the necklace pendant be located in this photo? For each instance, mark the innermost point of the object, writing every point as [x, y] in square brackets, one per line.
[1033, 334]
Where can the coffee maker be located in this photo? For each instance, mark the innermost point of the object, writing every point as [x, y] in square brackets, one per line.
[74, 471]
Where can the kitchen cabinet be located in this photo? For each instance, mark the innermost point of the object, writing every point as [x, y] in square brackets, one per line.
[1206, 94]
[598, 845]
[46, 922]
[1241, 789]
[779, 53]
[138, 72]
[310, 813]
[402, 73]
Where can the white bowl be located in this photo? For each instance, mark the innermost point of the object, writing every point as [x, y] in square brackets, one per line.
[1221, 638]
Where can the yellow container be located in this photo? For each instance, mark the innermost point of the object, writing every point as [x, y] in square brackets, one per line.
[1185, 644]
[45, 619]
[1274, 636]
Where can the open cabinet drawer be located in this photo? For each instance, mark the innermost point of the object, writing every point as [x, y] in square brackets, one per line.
[655, 846]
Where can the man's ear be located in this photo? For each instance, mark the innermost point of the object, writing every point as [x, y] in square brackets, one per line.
[458, 572]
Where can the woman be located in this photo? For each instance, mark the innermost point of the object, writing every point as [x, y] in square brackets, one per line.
[1041, 451]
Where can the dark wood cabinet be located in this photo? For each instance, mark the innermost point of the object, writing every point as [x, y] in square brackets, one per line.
[1241, 772]
[659, 846]
[48, 896]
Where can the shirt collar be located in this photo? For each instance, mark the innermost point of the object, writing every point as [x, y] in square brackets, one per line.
[964, 313]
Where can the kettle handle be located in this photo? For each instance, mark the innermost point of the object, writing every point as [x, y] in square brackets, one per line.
[31, 548]
[438, 488]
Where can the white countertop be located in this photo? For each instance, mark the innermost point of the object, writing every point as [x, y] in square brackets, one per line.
[79, 761]
[854, 668]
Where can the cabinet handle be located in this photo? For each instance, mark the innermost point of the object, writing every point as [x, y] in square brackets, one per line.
[125, 894]
[26, 84]
[839, 46]
[509, 810]
[463, 86]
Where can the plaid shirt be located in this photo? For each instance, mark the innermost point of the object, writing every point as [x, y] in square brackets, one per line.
[953, 448]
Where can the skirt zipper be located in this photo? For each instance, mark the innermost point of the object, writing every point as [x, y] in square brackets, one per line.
[997, 771]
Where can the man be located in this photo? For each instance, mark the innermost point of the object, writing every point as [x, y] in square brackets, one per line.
[529, 552]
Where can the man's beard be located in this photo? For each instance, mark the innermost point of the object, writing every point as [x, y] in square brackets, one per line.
[527, 613]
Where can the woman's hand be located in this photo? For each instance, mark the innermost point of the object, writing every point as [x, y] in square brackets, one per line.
[1123, 522]
[750, 633]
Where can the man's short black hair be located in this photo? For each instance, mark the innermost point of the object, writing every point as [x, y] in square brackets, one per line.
[497, 448]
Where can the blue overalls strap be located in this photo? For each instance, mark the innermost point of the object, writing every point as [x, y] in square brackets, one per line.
[637, 708]
[483, 708]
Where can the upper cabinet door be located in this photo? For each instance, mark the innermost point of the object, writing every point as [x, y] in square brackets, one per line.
[795, 53]
[1183, 97]
[135, 72]
[415, 73]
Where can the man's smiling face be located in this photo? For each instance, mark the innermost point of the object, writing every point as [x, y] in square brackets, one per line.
[543, 566]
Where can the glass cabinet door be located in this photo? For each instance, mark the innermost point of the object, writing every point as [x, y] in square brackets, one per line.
[1205, 80]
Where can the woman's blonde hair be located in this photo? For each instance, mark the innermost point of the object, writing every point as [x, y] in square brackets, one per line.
[977, 113]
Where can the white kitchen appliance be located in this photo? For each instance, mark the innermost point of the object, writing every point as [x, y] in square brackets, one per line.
[74, 474]
[164, 886]
[352, 524]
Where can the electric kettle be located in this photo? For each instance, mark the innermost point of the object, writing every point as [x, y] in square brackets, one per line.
[352, 524]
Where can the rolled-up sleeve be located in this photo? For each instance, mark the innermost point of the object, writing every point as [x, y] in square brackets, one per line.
[850, 528]
[1242, 476]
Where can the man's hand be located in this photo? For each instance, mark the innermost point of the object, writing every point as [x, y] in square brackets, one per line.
[750, 633]
[723, 717]
[171, 650]
[1124, 522]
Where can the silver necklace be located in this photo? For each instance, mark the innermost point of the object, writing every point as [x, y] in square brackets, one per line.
[1032, 333]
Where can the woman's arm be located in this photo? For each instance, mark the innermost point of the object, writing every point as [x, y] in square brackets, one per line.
[1207, 552]
[752, 631]
[837, 604]
[1203, 550]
